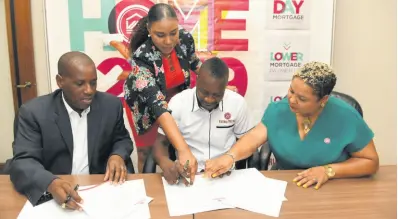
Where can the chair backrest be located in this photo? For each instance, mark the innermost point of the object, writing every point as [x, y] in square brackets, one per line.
[348, 99]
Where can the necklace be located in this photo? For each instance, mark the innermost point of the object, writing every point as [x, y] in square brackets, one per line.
[166, 56]
[307, 121]
[307, 124]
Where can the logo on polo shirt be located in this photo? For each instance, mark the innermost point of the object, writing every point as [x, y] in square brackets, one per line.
[227, 117]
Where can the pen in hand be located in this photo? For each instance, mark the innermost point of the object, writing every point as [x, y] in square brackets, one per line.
[73, 200]
[81, 202]
[186, 165]
[76, 189]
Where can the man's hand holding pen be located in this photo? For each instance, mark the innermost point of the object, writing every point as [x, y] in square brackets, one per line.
[187, 160]
[174, 172]
[64, 194]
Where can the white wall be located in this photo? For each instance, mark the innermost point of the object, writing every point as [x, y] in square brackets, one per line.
[6, 99]
[365, 61]
[40, 44]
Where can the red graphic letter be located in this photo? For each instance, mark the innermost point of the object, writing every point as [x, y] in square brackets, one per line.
[276, 4]
[229, 24]
[240, 78]
[107, 65]
[298, 6]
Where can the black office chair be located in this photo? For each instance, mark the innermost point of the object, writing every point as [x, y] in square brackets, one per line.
[150, 163]
[265, 151]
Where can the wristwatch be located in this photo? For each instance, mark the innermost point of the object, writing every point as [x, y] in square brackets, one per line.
[233, 159]
[329, 171]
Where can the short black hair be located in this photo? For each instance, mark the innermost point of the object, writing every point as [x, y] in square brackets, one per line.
[68, 59]
[216, 67]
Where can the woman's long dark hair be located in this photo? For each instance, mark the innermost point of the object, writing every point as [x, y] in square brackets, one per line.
[140, 32]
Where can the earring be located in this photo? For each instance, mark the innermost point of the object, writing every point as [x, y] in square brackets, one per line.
[149, 35]
[322, 105]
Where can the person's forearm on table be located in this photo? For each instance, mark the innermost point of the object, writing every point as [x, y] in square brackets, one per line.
[355, 167]
[249, 143]
[362, 163]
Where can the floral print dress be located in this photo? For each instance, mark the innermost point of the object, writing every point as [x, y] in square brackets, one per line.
[145, 88]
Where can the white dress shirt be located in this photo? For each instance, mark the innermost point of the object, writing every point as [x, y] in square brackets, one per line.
[210, 134]
[79, 133]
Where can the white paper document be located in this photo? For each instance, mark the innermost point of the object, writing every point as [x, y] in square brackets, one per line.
[203, 195]
[247, 189]
[124, 201]
[256, 192]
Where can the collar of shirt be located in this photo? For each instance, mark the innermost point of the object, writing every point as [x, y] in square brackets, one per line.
[70, 110]
[196, 107]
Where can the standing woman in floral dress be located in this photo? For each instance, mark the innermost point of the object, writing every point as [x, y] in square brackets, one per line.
[162, 56]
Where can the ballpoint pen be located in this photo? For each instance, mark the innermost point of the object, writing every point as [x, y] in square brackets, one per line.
[69, 197]
[186, 165]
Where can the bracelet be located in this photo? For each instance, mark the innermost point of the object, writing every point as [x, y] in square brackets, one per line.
[233, 159]
[232, 156]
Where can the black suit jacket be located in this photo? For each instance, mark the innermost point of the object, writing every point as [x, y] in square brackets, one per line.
[43, 145]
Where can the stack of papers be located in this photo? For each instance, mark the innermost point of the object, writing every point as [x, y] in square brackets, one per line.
[247, 189]
[124, 201]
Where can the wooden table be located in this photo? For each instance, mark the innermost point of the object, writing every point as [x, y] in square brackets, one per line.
[373, 198]
[11, 202]
[364, 198]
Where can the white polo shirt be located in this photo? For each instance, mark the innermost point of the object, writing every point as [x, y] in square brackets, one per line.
[210, 134]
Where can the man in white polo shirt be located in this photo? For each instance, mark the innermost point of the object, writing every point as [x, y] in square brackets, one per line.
[210, 118]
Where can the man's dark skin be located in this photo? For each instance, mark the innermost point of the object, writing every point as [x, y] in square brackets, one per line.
[209, 91]
[78, 80]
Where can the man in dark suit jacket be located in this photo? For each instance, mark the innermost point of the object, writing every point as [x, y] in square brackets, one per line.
[74, 130]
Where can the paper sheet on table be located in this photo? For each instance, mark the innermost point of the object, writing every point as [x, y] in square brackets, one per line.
[247, 189]
[49, 210]
[203, 195]
[110, 201]
[253, 183]
[124, 201]
[256, 193]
